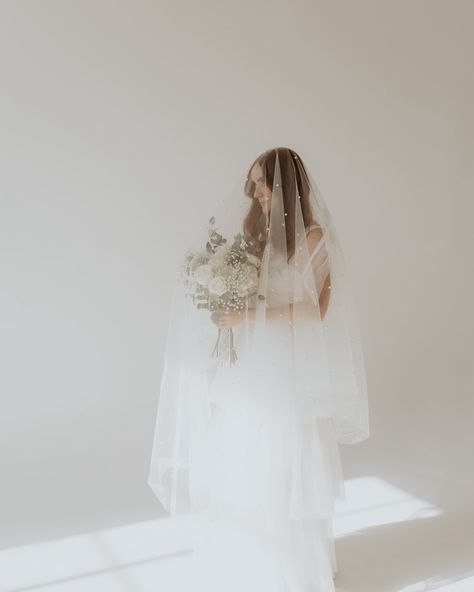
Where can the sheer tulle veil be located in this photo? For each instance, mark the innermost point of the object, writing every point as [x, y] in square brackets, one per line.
[284, 376]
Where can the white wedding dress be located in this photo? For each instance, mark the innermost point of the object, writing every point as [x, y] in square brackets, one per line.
[272, 471]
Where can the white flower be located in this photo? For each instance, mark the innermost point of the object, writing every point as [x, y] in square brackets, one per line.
[253, 259]
[249, 283]
[242, 291]
[217, 286]
[202, 274]
[221, 252]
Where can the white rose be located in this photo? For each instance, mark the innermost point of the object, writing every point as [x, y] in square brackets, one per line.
[202, 274]
[221, 252]
[253, 259]
[217, 286]
[250, 282]
[242, 291]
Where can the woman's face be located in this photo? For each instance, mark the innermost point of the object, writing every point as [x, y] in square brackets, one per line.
[261, 191]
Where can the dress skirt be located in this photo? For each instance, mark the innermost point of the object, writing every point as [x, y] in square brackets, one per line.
[270, 474]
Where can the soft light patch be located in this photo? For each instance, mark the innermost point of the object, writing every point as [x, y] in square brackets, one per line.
[371, 502]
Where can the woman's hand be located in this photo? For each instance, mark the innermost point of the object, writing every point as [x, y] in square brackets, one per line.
[228, 318]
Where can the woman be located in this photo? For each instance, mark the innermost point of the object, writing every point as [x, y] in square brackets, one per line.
[247, 431]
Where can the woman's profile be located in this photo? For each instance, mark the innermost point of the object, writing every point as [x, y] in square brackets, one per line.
[263, 378]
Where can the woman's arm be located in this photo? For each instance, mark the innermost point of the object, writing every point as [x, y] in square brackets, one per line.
[275, 314]
[304, 310]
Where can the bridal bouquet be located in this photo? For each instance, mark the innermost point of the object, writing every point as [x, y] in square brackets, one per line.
[223, 276]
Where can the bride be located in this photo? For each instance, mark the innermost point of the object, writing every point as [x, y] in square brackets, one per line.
[263, 378]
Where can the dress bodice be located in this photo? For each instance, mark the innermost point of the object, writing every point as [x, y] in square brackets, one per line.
[286, 283]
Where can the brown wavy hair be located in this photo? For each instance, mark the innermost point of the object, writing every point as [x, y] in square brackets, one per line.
[294, 181]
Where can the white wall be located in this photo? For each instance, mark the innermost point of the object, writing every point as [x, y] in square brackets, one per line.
[120, 123]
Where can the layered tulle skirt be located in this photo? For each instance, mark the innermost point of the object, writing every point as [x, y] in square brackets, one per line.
[269, 476]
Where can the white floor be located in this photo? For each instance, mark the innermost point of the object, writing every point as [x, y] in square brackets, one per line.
[157, 555]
